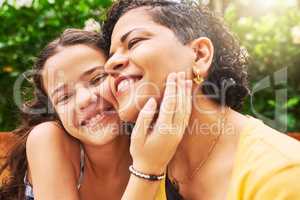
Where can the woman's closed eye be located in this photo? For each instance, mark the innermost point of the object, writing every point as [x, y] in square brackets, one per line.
[133, 42]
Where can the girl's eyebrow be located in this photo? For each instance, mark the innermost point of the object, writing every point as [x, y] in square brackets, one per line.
[90, 71]
[58, 89]
[86, 73]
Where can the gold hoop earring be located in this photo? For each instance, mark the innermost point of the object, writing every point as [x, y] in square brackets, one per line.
[198, 79]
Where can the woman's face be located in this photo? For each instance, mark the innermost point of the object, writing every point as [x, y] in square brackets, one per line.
[143, 53]
[78, 88]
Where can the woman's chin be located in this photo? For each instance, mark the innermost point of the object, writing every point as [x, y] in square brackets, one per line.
[128, 112]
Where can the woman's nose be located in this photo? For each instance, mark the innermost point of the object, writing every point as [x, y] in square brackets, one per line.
[116, 64]
[84, 97]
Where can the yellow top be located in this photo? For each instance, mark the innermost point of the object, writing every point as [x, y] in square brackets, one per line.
[267, 165]
[161, 194]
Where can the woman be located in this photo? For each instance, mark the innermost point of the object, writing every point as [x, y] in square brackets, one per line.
[78, 149]
[223, 154]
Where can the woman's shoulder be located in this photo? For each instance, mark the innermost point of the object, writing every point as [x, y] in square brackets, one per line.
[267, 161]
[266, 142]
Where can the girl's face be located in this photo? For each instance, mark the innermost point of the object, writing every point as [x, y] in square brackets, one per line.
[79, 91]
[143, 53]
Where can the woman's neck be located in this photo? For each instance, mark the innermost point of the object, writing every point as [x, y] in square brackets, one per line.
[110, 159]
[209, 123]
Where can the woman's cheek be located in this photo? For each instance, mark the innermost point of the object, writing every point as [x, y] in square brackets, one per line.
[150, 58]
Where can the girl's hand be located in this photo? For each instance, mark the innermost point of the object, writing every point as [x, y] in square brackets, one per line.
[152, 147]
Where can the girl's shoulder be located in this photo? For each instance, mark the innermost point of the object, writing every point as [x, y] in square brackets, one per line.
[48, 144]
[52, 134]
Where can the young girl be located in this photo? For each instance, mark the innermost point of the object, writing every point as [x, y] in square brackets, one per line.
[75, 145]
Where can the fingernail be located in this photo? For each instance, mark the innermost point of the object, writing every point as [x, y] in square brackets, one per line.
[172, 76]
[151, 103]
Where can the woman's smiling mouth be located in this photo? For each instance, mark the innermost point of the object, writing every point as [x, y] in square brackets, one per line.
[124, 83]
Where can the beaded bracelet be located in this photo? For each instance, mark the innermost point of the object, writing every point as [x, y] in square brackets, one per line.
[149, 177]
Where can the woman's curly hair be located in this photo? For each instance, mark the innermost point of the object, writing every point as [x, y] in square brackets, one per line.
[227, 80]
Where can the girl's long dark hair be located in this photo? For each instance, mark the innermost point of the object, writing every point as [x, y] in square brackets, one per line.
[15, 161]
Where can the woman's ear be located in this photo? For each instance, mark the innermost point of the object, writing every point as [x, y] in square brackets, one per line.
[204, 52]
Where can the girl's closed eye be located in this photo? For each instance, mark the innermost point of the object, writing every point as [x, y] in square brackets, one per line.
[62, 99]
[99, 78]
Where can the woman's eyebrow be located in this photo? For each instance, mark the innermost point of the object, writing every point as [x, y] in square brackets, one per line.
[125, 36]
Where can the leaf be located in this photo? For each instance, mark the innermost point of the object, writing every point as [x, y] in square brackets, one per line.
[292, 102]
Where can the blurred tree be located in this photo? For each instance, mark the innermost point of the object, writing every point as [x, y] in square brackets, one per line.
[26, 26]
[272, 37]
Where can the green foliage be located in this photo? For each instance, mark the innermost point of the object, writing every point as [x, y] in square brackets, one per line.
[25, 30]
[272, 46]
[268, 39]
